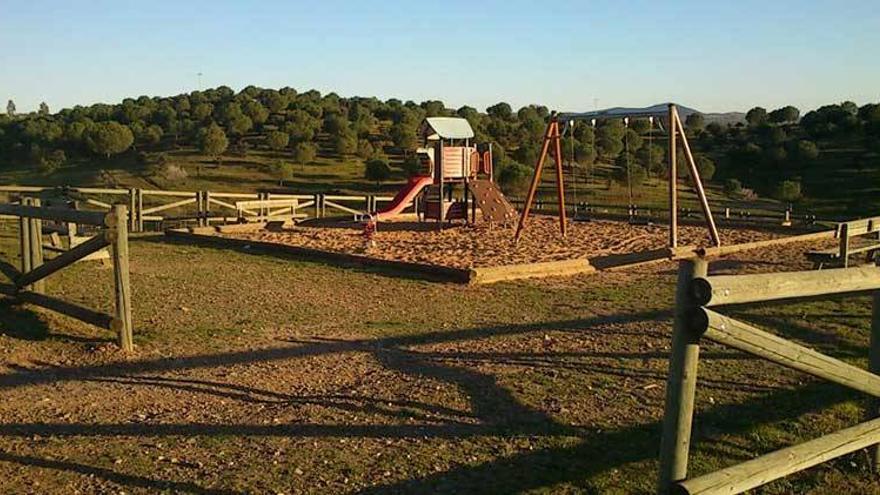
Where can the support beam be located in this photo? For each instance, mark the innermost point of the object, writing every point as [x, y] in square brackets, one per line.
[119, 253]
[24, 241]
[560, 184]
[744, 337]
[536, 179]
[65, 259]
[740, 289]
[698, 183]
[682, 381]
[764, 469]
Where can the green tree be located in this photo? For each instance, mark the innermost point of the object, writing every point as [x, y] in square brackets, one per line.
[109, 138]
[411, 166]
[255, 111]
[277, 140]
[377, 170]
[305, 152]
[785, 115]
[514, 177]
[345, 143]
[213, 142]
[44, 109]
[202, 111]
[500, 111]
[403, 136]
[705, 166]
[732, 187]
[10, 108]
[50, 163]
[756, 116]
[609, 139]
[807, 150]
[282, 171]
[789, 190]
[695, 122]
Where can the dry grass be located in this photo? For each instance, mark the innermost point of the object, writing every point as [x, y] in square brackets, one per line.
[259, 374]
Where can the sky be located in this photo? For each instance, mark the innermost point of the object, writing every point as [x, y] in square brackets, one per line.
[714, 56]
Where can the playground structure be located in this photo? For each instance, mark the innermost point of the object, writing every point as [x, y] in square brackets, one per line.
[552, 143]
[693, 320]
[459, 178]
[29, 282]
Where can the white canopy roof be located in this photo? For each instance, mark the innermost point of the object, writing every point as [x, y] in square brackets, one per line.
[447, 128]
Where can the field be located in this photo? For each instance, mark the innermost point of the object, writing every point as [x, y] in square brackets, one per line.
[265, 374]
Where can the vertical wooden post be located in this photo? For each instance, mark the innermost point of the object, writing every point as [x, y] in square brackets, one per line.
[874, 367]
[441, 214]
[317, 200]
[36, 238]
[139, 210]
[673, 180]
[844, 244]
[560, 186]
[206, 201]
[681, 382]
[24, 238]
[118, 235]
[132, 208]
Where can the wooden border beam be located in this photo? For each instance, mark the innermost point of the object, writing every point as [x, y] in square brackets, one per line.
[90, 316]
[769, 467]
[744, 337]
[698, 183]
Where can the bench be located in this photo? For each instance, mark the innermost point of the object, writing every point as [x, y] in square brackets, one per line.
[846, 232]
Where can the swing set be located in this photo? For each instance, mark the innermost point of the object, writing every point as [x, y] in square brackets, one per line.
[552, 144]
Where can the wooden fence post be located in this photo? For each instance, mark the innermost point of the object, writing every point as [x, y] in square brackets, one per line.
[24, 240]
[844, 244]
[317, 206]
[118, 236]
[874, 367]
[139, 210]
[206, 201]
[682, 381]
[132, 208]
[36, 238]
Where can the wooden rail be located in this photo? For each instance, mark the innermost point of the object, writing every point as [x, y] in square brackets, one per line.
[28, 283]
[695, 292]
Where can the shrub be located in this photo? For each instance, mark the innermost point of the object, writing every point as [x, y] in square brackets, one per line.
[377, 170]
[789, 190]
[732, 187]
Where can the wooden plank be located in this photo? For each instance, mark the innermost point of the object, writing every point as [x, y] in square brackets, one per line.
[119, 252]
[36, 238]
[488, 275]
[90, 316]
[342, 208]
[57, 214]
[762, 470]
[681, 383]
[99, 204]
[740, 335]
[99, 190]
[168, 206]
[9, 270]
[63, 260]
[177, 194]
[719, 290]
[24, 189]
[736, 248]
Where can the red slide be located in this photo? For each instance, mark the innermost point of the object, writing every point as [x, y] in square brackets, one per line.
[405, 196]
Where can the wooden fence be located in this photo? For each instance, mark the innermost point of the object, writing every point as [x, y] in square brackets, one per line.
[164, 208]
[29, 281]
[695, 294]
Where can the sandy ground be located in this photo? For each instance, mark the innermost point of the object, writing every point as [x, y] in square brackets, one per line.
[479, 245]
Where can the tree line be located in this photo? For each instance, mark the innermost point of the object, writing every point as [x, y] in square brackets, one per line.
[759, 154]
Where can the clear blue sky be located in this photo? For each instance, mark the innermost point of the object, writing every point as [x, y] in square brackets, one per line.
[714, 56]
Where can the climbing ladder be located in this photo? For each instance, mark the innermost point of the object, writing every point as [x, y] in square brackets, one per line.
[495, 207]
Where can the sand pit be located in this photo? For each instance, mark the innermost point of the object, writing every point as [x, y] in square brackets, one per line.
[479, 245]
